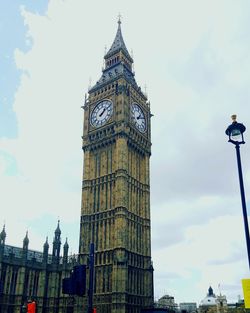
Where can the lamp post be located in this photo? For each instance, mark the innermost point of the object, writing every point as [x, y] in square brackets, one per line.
[24, 308]
[235, 134]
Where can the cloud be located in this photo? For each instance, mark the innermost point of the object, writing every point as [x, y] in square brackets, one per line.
[203, 257]
[194, 60]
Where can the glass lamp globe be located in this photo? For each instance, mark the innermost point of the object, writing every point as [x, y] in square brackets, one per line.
[235, 132]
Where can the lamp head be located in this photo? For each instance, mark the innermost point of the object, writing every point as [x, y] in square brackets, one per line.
[235, 132]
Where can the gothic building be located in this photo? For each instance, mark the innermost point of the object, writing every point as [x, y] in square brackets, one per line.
[115, 211]
[27, 274]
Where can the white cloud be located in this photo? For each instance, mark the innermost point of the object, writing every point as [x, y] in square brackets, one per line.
[194, 57]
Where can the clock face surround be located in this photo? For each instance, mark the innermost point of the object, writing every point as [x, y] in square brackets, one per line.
[138, 118]
[101, 113]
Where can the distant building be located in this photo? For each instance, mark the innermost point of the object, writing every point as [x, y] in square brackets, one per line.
[167, 302]
[222, 302]
[27, 274]
[236, 306]
[212, 303]
[188, 307]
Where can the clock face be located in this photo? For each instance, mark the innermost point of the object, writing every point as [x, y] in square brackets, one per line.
[101, 113]
[138, 118]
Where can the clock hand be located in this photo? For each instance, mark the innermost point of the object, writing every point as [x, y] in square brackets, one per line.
[102, 112]
[139, 117]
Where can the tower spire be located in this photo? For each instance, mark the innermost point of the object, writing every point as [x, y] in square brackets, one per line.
[119, 19]
[118, 44]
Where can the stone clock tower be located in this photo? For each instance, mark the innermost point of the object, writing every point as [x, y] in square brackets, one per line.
[115, 213]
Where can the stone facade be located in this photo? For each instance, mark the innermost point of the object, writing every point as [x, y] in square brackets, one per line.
[27, 274]
[115, 213]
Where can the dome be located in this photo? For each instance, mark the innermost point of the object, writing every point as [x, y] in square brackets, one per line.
[210, 299]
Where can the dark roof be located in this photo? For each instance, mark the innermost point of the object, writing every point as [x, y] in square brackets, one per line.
[118, 44]
[112, 73]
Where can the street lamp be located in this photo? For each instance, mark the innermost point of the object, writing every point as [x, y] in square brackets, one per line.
[235, 134]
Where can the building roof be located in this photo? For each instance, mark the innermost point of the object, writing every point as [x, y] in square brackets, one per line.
[119, 69]
[210, 299]
[118, 44]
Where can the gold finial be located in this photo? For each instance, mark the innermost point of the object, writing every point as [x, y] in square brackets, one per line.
[234, 116]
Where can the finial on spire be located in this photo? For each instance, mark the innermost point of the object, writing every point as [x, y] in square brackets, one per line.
[119, 19]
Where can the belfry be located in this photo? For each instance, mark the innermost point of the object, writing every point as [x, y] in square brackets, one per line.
[115, 212]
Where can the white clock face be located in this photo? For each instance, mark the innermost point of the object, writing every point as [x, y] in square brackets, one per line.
[101, 113]
[138, 118]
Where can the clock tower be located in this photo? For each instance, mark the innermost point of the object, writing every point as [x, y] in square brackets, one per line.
[115, 212]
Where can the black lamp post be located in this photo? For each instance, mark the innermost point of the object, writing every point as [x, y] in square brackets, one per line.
[235, 133]
[24, 308]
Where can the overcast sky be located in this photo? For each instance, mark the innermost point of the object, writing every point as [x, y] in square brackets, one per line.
[194, 58]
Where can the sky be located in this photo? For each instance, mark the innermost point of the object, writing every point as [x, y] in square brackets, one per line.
[192, 58]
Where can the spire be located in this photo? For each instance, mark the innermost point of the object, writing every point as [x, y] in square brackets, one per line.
[3, 234]
[66, 245]
[46, 244]
[45, 251]
[119, 18]
[118, 63]
[58, 230]
[26, 241]
[65, 251]
[57, 241]
[118, 44]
